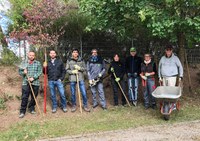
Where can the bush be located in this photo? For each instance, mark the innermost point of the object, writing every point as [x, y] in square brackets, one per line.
[8, 57]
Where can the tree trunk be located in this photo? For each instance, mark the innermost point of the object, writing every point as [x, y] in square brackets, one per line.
[181, 45]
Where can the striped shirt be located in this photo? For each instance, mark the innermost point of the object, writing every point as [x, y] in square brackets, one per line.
[34, 70]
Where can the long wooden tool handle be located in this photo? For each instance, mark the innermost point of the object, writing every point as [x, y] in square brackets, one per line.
[79, 94]
[33, 95]
[122, 90]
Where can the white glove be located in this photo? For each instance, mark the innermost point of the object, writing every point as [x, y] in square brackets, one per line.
[180, 79]
[147, 74]
[77, 67]
[75, 72]
[144, 77]
[100, 75]
[90, 81]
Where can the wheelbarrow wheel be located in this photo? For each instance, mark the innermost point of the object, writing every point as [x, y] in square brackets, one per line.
[166, 117]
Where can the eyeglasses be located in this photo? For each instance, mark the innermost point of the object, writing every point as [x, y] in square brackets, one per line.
[94, 52]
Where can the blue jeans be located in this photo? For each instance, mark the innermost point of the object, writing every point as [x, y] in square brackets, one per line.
[60, 87]
[133, 83]
[150, 86]
[98, 87]
[83, 92]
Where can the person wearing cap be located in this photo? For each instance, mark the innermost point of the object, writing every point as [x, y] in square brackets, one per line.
[148, 71]
[169, 68]
[75, 65]
[133, 69]
[117, 67]
[96, 68]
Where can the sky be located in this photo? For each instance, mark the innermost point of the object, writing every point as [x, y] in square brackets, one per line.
[4, 20]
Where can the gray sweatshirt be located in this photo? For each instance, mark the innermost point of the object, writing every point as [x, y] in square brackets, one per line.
[169, 67]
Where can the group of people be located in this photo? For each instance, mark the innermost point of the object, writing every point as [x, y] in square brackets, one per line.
[134, 68]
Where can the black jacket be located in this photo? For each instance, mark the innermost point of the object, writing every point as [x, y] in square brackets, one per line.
[119, 69]
[133, 65]
[151, 67]
[55, 70]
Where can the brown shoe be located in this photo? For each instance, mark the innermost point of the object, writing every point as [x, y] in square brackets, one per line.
[86, 109]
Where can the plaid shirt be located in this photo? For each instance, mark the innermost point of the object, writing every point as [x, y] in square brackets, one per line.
[34, 70]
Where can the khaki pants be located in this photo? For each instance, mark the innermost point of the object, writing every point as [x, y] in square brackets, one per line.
[169, 81]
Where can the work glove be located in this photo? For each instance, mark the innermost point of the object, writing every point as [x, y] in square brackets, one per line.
[117, 79]
[99, 75]
[144, 77]
[160, 79]
[75, 72]
[112, 69]
[180, 79]
[77, 67]
[45, 64]
[147, 74]
[90, 81]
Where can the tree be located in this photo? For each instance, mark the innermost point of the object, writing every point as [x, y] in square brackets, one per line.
[177, 20]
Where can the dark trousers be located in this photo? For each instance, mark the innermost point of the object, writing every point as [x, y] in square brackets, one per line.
[26, 91]
[116, 88]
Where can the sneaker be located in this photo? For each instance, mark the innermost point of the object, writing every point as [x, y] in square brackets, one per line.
[21, 115]
[73, 109]
[33, 112]
[54, 110]
[134, 103]
[95, 105]
[86, 109]
[104, 108]
[64, 110]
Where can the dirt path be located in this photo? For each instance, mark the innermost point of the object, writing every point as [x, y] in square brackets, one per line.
[186, 131]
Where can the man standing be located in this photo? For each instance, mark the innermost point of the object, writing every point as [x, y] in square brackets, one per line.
[56, 74]
[169, 68]
[76, 66]
[96, 69]
[31, 73]
[148, 71]
[133, 65]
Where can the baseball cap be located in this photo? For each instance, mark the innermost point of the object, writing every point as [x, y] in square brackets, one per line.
[132, 49]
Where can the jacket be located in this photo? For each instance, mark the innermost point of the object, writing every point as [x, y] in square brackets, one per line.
[34, 70]
[56, 70]
[169, 67]
[148, 68]
[95, 68]
[119, 69]
[133, 65]
[70, 67]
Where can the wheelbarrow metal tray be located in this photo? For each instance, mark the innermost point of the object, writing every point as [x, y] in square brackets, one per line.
[167, 92]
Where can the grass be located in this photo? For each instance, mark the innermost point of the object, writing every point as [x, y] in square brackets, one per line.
[113, 119]
[2, 104]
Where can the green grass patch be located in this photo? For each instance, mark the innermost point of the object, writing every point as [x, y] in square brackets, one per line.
[113, 119]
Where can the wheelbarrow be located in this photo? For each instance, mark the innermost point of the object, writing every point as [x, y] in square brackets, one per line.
[169, 99]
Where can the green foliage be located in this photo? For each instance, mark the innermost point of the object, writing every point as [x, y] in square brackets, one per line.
[8, 57]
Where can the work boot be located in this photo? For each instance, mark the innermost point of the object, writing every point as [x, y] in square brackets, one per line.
[154, 106]
[85, 108]
[73, 108]
[21, 115]
[95, 105]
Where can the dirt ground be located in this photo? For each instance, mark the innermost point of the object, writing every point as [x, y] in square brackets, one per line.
[10, 89]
